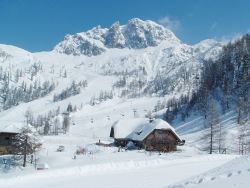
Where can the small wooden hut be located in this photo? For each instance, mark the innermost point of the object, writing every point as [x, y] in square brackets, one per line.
[6, 135]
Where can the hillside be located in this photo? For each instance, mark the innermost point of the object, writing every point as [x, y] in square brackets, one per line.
[140, 69]
[164, 67]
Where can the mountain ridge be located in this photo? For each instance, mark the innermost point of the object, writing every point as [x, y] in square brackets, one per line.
[168, 68]
[159, 59]
[136, 34]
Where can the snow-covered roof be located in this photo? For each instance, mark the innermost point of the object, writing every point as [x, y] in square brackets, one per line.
[11, 128]
[139, 128]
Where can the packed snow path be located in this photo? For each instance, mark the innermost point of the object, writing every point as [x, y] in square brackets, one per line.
[127, 173]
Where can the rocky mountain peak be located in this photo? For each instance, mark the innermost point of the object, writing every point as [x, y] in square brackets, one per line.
[136, 34]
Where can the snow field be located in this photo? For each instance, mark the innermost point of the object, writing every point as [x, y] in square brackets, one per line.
[162, 172]
[234, 173]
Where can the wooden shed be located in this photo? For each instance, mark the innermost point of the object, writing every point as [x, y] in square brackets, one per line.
[6, 134]
[156, 135]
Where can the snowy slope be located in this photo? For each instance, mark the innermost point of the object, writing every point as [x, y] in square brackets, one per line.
[140, 51]
[121, 169]
[234, 174]
[163, 58]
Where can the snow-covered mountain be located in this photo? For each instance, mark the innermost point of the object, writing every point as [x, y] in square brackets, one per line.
[137, 34]
[108, 74]
[141, 45]
[209, 48]
[141, 58]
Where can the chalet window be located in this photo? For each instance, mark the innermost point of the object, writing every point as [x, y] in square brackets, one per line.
[7, 138]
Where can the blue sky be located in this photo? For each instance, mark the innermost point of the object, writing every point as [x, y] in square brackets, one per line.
[38, 25]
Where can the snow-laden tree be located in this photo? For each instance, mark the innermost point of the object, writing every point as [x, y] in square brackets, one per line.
[66, 122]
[243, 121]
[69, 108]
[74, 89]
[56, 125]
[212, 136]
[29, 116]
[25, 143]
